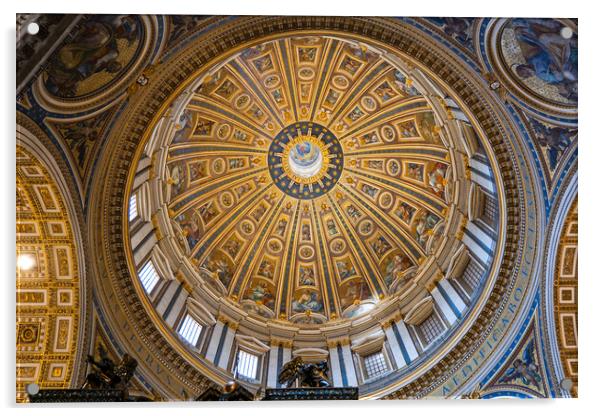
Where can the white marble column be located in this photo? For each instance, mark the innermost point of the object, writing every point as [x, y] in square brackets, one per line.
[446, 309]
[273, 366]
[349, 367]
[409, 351]
[478, 242]
[452, 295]
[227, 347]
[214, 342]
[172, 301]
[287, 354]
[143, 242]
[394, 344]
[179, 303]
[335, 367]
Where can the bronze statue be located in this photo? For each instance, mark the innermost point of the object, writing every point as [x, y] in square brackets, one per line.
[108, 375]
[309, 375]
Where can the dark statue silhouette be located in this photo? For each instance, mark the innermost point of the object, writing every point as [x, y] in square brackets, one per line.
[308, 374]
[106, 374]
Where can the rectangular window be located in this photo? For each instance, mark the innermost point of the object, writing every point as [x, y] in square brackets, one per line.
[489, 211]
[190, 330]
[431, 328]
[133, 210]
[471, 278]
[148, 277]
[246, 365]
[375, 365]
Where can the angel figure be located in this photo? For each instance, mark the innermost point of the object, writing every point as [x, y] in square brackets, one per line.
[524, 368]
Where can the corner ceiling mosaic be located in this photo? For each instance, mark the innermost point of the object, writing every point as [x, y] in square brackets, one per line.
[390, 201]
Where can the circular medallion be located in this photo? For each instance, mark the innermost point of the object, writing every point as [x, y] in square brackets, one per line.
[274, 245]
[368, 103]
[306, 252]
[226, 199]
[393, 167]
[306, 73]
[103, 51]
[272, 81]
[224, 131]
[385, 200]
[546, 68]
[340, 81]
[337, 246]
[305, 160]
[243, 101]
[219, 166]
[388, 133]
[247, 227]
[365, 227]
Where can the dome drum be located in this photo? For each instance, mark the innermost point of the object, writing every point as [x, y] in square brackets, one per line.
[328, 227]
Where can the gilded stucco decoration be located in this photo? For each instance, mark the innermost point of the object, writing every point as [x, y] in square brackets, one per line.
[48, 295]
[566, 287]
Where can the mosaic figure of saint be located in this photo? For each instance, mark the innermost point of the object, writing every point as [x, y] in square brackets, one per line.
[549, 55]
[176, 180]
[281, 227]
[436, 179]
[405, 212]
[305, 232]
[380, 246]
[308, 300]
[332, 229]
[93, 50]
[266, 269]
[191, 229]
[424, 225]
[395, 268]
[385, 92]
[220, 269]
[306, 276]
[208, 212]
[346, 269]
[353, 212]
[415, 171]
[261, 294]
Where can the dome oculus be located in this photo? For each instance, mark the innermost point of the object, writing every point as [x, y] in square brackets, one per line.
[305, 160]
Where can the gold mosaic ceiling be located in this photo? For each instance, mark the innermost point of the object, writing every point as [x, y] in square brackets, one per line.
[308, 178]
[48, 280]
